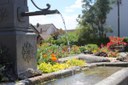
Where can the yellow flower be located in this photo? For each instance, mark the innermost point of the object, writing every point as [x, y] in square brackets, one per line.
[94, 51]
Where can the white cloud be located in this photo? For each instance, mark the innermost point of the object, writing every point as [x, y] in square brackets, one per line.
[70, 15]
[76, 5]
[46, 20]
[70, 21]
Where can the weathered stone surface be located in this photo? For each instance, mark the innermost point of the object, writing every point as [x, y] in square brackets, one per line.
[123, 57]
[19, 43]
[29, 73]
[92, 58]
[9, 15]
[118, 78]
[88, 58]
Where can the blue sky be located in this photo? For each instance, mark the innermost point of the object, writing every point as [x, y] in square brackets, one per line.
[70, 10]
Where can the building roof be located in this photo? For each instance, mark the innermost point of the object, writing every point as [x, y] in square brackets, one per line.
[41, 27]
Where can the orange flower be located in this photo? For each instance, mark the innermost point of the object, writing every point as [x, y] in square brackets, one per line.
[53, 55]
[53, 58]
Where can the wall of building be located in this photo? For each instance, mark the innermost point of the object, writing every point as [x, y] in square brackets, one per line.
[112, 19]
[51, 30]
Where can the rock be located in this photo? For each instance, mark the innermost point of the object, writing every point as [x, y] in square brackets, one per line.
[29, 73]
[101, 54]
[93, 59]
[123, 57]
[87, 52]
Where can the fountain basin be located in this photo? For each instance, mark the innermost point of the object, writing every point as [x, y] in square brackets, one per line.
[88, 77]
[120, 78]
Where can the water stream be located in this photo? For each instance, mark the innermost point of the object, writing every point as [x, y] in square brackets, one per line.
[68, 43]
[88, 77]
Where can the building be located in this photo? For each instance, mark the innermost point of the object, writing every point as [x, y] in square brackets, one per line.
[112, 19]
[44, 31]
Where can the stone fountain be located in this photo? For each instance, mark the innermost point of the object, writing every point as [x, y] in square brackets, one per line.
[17, 43]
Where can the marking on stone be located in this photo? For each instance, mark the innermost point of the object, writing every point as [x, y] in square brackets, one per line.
[3, 14]
[27, 51]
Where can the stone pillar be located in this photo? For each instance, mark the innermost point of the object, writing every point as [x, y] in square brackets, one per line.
[17, 44]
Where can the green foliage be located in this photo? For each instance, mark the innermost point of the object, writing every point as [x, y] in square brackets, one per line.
[102, 40]
[48, 68]
[45, 51]
[75, 50]
[82, 48]
[86, 35]
[71, 37]
[91, 47]
[126, 39]
[92, 21]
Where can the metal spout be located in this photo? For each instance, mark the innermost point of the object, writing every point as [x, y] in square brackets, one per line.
[42, 12]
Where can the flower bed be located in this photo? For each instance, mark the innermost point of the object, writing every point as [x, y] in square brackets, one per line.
[48, 67]
[48, 54]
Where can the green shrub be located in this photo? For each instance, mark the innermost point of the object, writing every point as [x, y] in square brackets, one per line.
[126, 39]
[70, 37]
[82, 48]
[75, 50]
[91, 47]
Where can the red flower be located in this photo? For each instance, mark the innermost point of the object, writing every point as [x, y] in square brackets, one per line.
[115, 41]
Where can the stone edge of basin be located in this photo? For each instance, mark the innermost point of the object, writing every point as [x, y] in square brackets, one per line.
[46, 77]
[118, 78]
[69, 72]
[89, 58]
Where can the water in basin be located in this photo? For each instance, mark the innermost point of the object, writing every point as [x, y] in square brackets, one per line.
[88, 77]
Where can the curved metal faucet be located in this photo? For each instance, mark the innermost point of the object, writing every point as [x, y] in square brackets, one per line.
[44, 11]
[48, 6]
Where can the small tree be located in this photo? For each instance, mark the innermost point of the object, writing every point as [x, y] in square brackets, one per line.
[94, 16]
